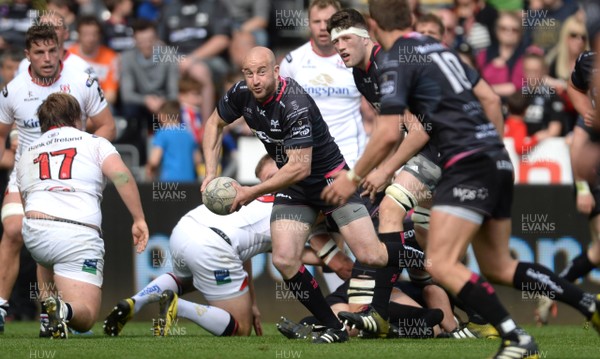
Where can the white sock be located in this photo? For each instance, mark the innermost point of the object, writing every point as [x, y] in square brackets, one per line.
[333, 281]
[213, 319]
[151, 292]
[3, 302]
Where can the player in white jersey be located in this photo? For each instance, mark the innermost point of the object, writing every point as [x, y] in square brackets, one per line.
[62, 175]
[319, 69]
[212, 254]
[19, 101]
[69, 59]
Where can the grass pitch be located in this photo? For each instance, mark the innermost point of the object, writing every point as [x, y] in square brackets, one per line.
[20, 340]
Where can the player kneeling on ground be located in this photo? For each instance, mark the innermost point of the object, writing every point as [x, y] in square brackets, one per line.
[211, 253]
[61, 178]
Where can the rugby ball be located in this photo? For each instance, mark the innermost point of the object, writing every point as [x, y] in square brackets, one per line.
[219, 195]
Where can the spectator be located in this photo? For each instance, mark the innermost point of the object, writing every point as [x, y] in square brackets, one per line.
[16, 19]
[117, 29]
[450, 22]
[203, 37]
[174, 149]
[190, 99]
[9, 63]
[515, 127]
[251, 16]
[430, 25]
[147, 82]
[502, 64]
[544, 24]
[68, 10]
[473, 17]
[103, 60]
[544, 116]
[562, 57]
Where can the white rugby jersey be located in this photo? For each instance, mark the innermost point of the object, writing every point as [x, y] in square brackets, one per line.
[71, 60]
[331, 85]
[21, 98]
[249, 229]
[60, 174]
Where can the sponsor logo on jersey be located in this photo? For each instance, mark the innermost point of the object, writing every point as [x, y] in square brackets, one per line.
[31, 97]
[300, 131]
[265, 138]
[288, 57]
[275, 126]
[90, 266]
[31, 123]
[5, 91]
[388, 84]
[66, 88]
[464, 193]
[283, 195]
[222, 276]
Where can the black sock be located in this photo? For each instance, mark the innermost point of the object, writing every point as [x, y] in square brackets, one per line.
[43, 310]
[480, 296]
[231, 329]
[394, 243]
[535, 278]
[414, 322]
[69, 315]
[306, 289]
[386, 277]
[577, 268]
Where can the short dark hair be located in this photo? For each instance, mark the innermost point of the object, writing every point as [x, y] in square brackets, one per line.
[345, 19]
[89, 20]
[391, 14]
[432, 18]
[322, 4]
[142, 25]
[172, 109]
[261, 164]
[188, 84]
[40, 33]
[517, 104]
[59, 109]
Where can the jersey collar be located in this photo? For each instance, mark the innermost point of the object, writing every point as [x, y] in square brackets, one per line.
[374, 52]
[50, 83]
[278, 93]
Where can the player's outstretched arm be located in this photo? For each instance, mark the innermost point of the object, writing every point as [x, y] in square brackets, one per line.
[211, 146]
[492, 105]
[114, 168]
[104, 124]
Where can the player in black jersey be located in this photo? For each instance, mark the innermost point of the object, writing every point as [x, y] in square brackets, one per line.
[473, 198]
[411, 189]
[287, 121]
[585, 157]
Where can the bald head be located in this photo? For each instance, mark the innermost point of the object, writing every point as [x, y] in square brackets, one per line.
[261, 72]
[259, 55]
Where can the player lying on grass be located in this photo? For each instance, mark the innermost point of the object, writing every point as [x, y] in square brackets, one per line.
[414, 306]
[212, 254]
[61, 177]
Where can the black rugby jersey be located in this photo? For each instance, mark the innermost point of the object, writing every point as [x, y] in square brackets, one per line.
[288, 119]
[426, 77]
[366, 81]
[581, 77]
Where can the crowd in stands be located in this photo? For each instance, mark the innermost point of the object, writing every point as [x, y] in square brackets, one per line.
[153, 55]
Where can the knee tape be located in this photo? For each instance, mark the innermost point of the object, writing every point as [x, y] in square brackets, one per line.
[12, 209]
[401, 196]
[420, 217]
[328, 251]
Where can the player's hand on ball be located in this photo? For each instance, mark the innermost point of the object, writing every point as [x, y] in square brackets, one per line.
[206, 181]
[338, 192]
[140, 233]
[244, 196]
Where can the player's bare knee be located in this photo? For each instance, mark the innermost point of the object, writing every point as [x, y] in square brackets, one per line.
[12, 229]
[286, 264]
